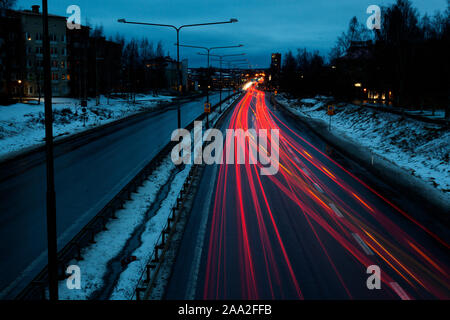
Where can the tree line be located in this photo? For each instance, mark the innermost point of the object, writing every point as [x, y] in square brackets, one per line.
[406, 60]
[141, 67]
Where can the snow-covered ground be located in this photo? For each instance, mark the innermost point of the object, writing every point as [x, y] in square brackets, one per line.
[111, 242]
[418, 147]
[22, 124]
[129, 278]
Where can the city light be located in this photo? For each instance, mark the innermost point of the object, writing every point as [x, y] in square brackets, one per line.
[247, 85]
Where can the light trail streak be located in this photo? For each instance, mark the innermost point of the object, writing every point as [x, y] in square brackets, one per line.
[254, 217]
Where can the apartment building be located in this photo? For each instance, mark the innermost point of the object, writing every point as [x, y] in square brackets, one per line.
[32, 71]
[11, 55]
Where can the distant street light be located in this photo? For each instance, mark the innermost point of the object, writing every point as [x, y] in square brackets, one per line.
[209, 54]
[20, 90]
[177, 29]
[220, 61]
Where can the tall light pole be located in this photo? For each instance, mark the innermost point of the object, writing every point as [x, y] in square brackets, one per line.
[229, 71]
[208, 50]
[177, 29]
[51, 198]
[236, 67]
[20, 90]
[240, 65]
[220, 60]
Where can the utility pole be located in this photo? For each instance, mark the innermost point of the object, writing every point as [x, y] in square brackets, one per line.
[51, 197]
[208, 50]
[177, 29]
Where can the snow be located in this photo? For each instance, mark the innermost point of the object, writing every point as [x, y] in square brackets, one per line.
[129, 278]
[22, 124]
[109, 243]
[420, 148]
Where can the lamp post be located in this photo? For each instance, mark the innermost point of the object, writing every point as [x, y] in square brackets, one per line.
[51, 197]
[208, 50]
[220, 61]
[229, 72]
[20, 90]
[240, 66]
[177, 29]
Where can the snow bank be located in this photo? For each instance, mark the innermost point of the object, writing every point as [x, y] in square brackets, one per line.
[109, 243]
[129, 278]
[22, 125]
[420, 148]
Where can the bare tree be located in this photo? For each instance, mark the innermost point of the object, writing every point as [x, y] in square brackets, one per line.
[7, 4]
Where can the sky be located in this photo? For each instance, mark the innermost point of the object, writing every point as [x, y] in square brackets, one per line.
[264, 26]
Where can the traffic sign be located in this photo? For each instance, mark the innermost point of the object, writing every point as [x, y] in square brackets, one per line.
[330, 110]
[207, 107]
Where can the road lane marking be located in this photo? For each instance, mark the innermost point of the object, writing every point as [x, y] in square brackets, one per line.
[191, 287]
[306, 172]
[362, 244]
[399, 290]
[318, 187]
[336, 210]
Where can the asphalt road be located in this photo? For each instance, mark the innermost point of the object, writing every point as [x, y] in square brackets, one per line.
[86, 179]
[308, 232]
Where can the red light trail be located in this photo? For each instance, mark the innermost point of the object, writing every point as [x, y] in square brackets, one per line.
[257, 222]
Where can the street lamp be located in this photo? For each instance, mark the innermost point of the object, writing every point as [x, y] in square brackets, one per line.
[209, 54]
[209, 80]
[220, 60]
[177, 29]
[20, 90]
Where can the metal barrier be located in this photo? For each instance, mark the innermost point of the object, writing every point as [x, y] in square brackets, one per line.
[147, 280]
[36, 289]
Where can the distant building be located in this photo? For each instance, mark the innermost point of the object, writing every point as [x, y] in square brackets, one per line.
[94, 63]
[32, 75]
[171, 72]
[11, 54]
[275, 70]
[78, 61]
[104, 65]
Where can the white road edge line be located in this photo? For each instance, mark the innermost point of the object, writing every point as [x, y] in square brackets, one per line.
[399, 290]
[362, 244]
[336, 210]
[194, 270]
[305, 172]
[318, 187]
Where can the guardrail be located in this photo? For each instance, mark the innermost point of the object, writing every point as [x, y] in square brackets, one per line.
[36, 289]
[147, 280]
[21, 159]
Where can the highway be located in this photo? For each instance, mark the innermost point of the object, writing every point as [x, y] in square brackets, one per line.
[308, 232]
[87, 178]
